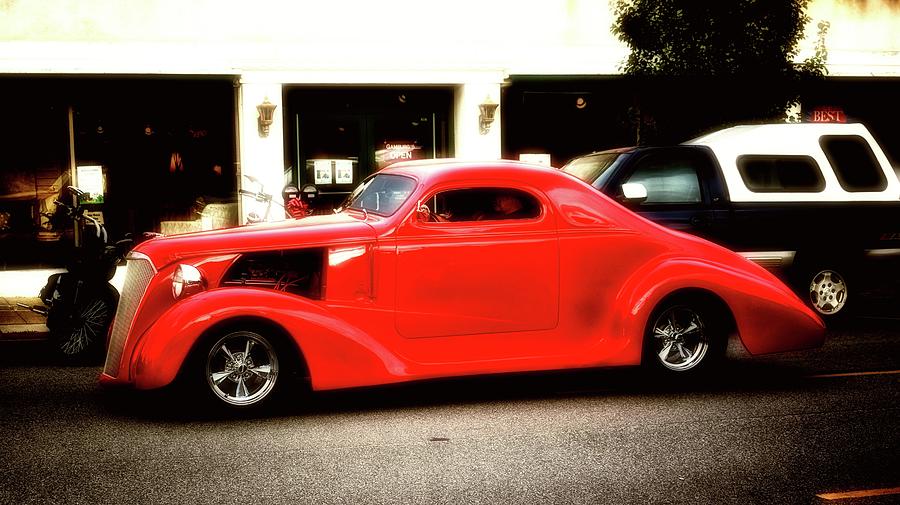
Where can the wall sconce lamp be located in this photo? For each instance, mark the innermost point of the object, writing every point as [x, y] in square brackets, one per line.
[488, 108]
[266, 114]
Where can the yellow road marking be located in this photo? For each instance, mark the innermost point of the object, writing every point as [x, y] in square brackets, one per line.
[854, 374]
[864, 493]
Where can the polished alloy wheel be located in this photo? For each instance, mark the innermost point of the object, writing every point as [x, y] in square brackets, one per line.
[242, 368]
[89, 327]
[828, 292]
[679, 338]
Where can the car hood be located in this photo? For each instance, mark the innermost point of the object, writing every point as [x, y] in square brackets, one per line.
[334, 229]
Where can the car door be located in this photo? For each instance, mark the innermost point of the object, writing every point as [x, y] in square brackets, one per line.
[462, 270]
[678, 192]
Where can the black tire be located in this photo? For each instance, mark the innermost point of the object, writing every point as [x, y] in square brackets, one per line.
[241, 369]
[80, 337]
[685, 337]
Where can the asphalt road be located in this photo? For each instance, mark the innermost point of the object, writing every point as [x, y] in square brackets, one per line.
[766, 430]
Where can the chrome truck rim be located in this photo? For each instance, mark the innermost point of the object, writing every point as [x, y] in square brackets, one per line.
[828, 292]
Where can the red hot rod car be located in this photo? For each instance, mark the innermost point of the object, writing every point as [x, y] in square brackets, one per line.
[440, 268]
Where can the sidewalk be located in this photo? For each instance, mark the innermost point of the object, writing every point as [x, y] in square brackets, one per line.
[18, 323]
[22, 286]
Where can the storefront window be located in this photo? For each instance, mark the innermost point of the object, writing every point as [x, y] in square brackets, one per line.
[342, 136]
[403, 139]
[151, 152]
[168, 156]
[33, 169]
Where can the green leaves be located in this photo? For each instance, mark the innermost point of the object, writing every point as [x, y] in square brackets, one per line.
[727, 60]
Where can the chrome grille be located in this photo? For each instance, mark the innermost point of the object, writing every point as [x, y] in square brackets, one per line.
[139, 271]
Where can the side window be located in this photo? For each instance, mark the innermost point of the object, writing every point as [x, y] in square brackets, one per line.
[593, 168]
[780, 174]
[668, 180]
[483, 204]
[854, 163]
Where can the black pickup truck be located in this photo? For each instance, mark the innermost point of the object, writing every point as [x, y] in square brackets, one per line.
[818, 204]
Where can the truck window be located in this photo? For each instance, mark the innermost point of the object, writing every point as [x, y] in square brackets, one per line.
[854, 162]
[668, 180]
[780, 174]
[593, 167]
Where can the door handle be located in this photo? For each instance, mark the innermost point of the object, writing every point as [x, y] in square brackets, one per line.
[699, 221]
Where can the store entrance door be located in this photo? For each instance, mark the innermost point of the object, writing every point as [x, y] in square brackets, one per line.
[343, 136]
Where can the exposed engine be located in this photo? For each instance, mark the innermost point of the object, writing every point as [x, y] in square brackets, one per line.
[297, 271]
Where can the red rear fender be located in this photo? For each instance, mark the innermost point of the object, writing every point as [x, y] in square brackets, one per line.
[769, 317]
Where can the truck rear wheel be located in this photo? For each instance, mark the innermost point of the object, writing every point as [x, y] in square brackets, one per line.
[826, 287]
[828, 292]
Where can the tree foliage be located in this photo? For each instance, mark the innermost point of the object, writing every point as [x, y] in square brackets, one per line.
[704, 63]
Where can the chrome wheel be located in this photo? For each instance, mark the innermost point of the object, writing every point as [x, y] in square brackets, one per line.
[828, 292]
[241, 368]
[679, 336]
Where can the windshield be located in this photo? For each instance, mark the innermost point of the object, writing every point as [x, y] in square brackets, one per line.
[381, 194]
[593, 168]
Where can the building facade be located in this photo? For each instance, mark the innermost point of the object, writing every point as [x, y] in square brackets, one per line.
[156, 106]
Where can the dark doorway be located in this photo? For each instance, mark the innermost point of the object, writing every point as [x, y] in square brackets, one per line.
[564, 116]
[340, 136]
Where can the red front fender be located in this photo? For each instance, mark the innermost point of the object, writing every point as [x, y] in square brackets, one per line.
[337, 354]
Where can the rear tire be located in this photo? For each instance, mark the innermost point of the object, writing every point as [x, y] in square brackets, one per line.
[684, 337]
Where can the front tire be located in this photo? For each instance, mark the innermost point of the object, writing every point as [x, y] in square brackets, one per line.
[683, 337]
[241, 369]
[81, 337]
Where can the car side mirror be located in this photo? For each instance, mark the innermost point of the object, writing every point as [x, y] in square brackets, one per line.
[634, 192]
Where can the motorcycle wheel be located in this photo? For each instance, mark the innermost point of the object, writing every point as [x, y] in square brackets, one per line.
[82, 338]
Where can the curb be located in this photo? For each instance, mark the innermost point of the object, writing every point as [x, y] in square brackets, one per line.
[18, 332]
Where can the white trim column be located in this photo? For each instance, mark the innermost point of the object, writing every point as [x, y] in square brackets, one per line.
[471, 143]
[261, 156]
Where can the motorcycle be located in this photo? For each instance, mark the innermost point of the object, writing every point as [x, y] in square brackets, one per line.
[80, 303]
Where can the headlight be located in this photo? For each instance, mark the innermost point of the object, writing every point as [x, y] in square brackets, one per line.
[186, 281]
